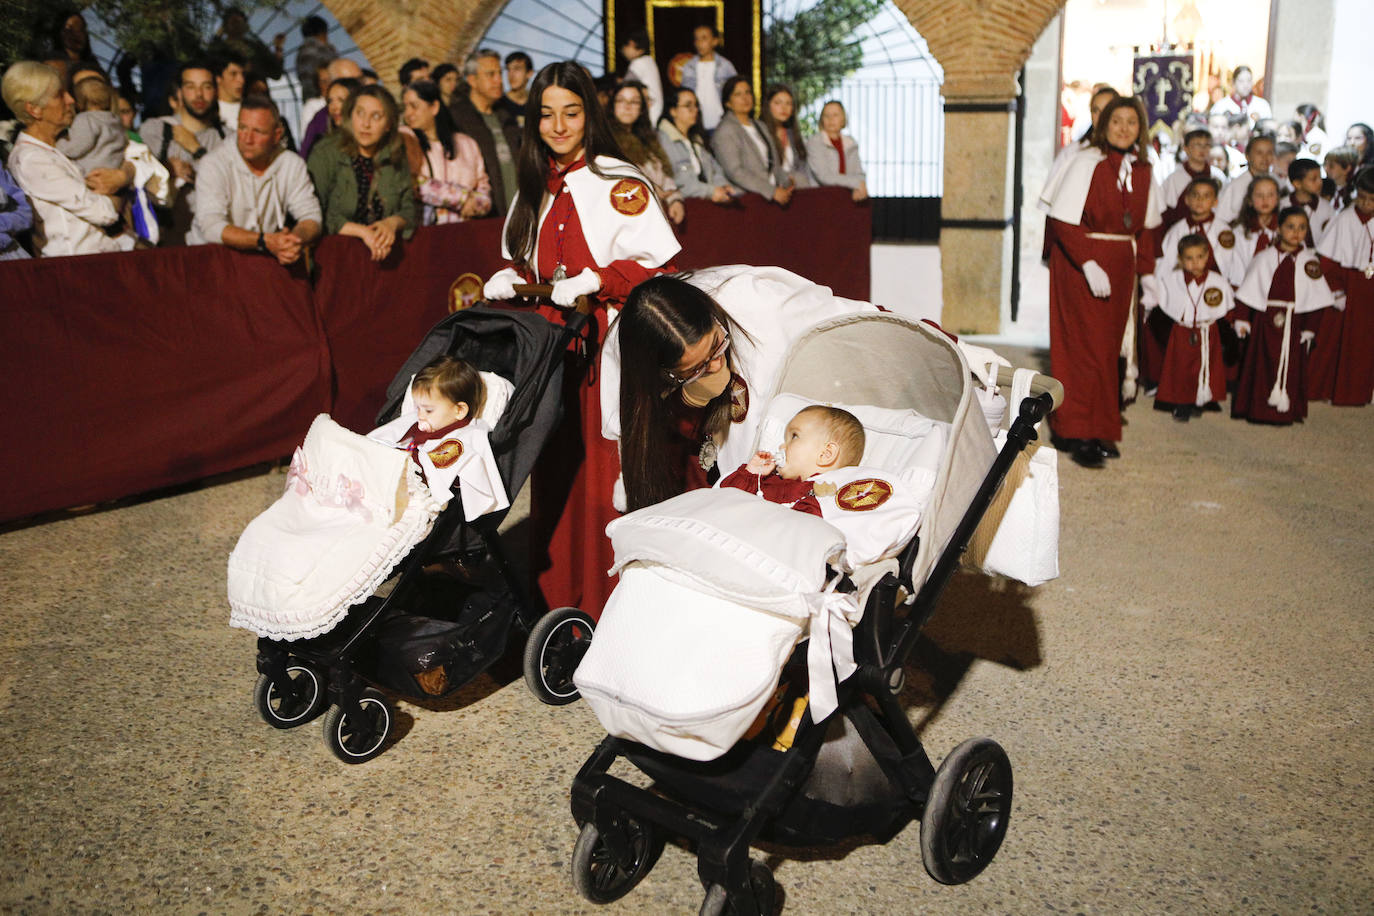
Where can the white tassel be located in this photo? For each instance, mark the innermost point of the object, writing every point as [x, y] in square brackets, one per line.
[1204, 376]
[1278, 395]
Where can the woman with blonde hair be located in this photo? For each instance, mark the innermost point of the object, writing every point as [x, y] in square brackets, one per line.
[71, 211]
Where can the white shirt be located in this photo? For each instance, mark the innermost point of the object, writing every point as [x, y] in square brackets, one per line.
[646, 71]
[1233, 196]
[229, 113]
[229, 194]
[67, 215]
[708, 99]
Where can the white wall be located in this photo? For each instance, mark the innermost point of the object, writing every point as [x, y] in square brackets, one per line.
[907, 280]
[1349, 98]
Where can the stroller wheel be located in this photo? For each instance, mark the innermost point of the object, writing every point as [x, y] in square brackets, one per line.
[357, 738]
[296, 702]
[599, 875]
[553, 651]
[761, 886]
[966, 815]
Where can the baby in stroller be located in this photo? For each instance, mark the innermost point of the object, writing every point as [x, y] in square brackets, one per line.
[354, 506]
[717, 588]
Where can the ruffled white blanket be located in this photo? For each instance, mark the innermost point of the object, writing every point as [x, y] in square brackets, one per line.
[354, 507]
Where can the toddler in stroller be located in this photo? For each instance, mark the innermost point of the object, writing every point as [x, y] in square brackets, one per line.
[336, 578]
[717, 588]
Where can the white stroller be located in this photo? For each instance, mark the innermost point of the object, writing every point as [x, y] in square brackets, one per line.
[718, 588]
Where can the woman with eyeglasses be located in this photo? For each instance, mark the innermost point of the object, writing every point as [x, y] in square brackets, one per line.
[682, 362]
[588, 222]
[695, 168]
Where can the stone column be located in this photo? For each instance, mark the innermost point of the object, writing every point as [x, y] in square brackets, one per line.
[975, 234]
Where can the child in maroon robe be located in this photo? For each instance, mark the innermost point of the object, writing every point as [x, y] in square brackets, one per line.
[1279, 308]
[1349, 243]
[818, 438]
[1193, 298]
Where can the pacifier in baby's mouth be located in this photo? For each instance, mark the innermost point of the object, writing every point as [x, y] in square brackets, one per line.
[779, 458]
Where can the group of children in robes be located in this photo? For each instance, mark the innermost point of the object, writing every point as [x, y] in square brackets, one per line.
[1261, 289]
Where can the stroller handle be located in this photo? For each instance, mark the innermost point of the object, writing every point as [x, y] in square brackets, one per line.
[582, 305]
[1041, 384]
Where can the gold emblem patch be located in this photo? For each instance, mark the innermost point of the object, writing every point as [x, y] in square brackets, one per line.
[1278, 319]
[1226, 239]
[1212, 296]
[863, 495]
[1313, 269]
[630, 197]
[739, 399]
[464, 291]
[448, 451]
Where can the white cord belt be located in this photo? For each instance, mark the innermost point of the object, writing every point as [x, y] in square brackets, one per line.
[1278, 395]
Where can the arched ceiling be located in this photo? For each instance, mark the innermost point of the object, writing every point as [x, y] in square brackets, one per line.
[981, 44]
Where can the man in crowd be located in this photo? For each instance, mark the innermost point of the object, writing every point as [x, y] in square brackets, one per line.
[313, 55]
[417, 68]
[230, 75]
[497, 135]
[254, 195]
[182, 140]
[519, 69]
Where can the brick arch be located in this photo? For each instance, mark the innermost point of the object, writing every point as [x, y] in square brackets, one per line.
[389, 32]
[981, 44]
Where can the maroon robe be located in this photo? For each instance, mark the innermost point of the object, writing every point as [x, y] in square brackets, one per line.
[1353, 385]
[570, 489]
[1178, 377]
[1268, 327]
[776, 489]
[1085, 331]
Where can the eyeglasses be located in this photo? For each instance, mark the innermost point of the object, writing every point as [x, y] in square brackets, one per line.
[699, 370]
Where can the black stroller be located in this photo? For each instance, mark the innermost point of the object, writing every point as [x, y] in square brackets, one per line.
[862, 770]
[428, 635]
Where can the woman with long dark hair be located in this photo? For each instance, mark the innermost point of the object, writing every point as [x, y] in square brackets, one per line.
[1101, 204]
[587, 221]
[683, 361]
[453, 184]
[639, 142]
[779, 116]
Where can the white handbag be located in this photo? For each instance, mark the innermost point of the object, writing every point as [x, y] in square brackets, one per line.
[1019, 534]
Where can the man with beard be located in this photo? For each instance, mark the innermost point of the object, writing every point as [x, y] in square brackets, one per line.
[181, 140]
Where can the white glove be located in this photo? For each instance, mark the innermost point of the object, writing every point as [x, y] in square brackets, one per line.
[1242, 328]
[1306, 337]
[1340, 302]
[584, 284]
[1149, 291]
[983, 363]
[502, 285]
[1097, 278]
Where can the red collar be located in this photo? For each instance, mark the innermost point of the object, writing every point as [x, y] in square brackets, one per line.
[1362, 218]
[1200, 227]
[1243, 101]
[416, 437]
[557, 174]
[1198, 280]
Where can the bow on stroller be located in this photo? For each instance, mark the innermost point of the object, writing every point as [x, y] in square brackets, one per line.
[332, 578]
[718, 587]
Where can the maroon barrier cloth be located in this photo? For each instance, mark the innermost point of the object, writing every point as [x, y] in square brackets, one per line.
[375, 315]
[130, 372]
[822, 235]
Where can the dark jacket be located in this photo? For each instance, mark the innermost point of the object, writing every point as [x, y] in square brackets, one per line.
[469, 120]
[337, 187]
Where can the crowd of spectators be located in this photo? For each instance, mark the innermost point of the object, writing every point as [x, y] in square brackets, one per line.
[212, 160]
